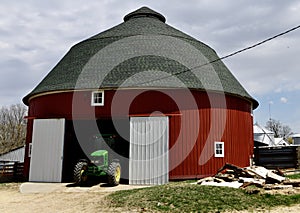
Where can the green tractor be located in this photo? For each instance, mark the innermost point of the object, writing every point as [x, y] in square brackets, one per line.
[99, 164]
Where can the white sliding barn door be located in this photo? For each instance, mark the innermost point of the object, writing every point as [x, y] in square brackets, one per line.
[47, 150]
[149, 146]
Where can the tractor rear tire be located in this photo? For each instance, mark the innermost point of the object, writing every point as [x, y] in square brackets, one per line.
[114, 174]
[79, 172]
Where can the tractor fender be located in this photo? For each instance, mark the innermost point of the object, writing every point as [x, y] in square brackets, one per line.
[115, 160]
[83, 160]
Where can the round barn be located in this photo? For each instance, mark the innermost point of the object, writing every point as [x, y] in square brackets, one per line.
[173, 107]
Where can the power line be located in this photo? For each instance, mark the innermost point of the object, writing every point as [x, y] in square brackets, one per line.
[262, 42]
[229, 55]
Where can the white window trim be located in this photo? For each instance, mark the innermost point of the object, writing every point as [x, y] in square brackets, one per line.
[217, 155]
[92, 98]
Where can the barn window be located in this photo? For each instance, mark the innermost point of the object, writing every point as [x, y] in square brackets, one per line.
[219, 149]
[97, 98]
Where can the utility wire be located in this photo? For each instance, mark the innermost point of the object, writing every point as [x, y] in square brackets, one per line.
[260, 43]
[227, 56]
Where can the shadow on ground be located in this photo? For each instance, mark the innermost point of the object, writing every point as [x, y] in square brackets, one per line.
[93, 181]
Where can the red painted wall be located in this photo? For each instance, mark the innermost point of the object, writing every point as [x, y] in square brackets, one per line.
[191, 139]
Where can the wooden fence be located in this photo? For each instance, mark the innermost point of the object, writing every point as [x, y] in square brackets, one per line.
[11, 171]
[281, 157]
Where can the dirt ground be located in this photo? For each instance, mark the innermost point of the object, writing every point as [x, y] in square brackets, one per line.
[71, 199]
[58, 199]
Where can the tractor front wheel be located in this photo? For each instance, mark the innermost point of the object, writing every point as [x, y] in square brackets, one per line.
[79, 173]
[114, 174]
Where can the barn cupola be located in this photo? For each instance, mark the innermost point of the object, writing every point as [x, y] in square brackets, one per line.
[144, 12]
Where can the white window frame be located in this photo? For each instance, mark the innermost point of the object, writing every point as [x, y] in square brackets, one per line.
[217, 149]
[93, 103]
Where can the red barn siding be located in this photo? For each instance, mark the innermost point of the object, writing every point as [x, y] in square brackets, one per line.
[188, 136]
[237, 138]
[28, 140]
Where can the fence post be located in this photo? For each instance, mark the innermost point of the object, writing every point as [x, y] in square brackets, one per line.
[298, 157]
[15, 170]
[256, 158]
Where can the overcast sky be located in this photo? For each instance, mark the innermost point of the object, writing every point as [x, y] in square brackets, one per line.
[35, 35]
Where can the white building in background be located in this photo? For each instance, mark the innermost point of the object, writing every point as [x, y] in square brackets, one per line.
[262, 136]
[296, 139]
[280, 142]
[16, 155]
[265, 137]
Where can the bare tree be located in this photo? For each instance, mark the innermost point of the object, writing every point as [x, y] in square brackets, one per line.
[286, 131]
[279, 129]
[12, 127]
[274, 126]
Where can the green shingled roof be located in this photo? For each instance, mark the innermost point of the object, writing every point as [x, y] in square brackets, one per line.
[142, 51]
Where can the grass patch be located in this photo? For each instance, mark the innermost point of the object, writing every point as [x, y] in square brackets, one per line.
[294, 176]
[10, 185]
[184, 197]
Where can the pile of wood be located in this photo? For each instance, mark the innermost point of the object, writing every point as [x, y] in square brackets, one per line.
[233, 176]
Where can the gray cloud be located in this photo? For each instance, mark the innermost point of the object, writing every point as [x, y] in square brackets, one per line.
[34, 36]
[13, 81]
